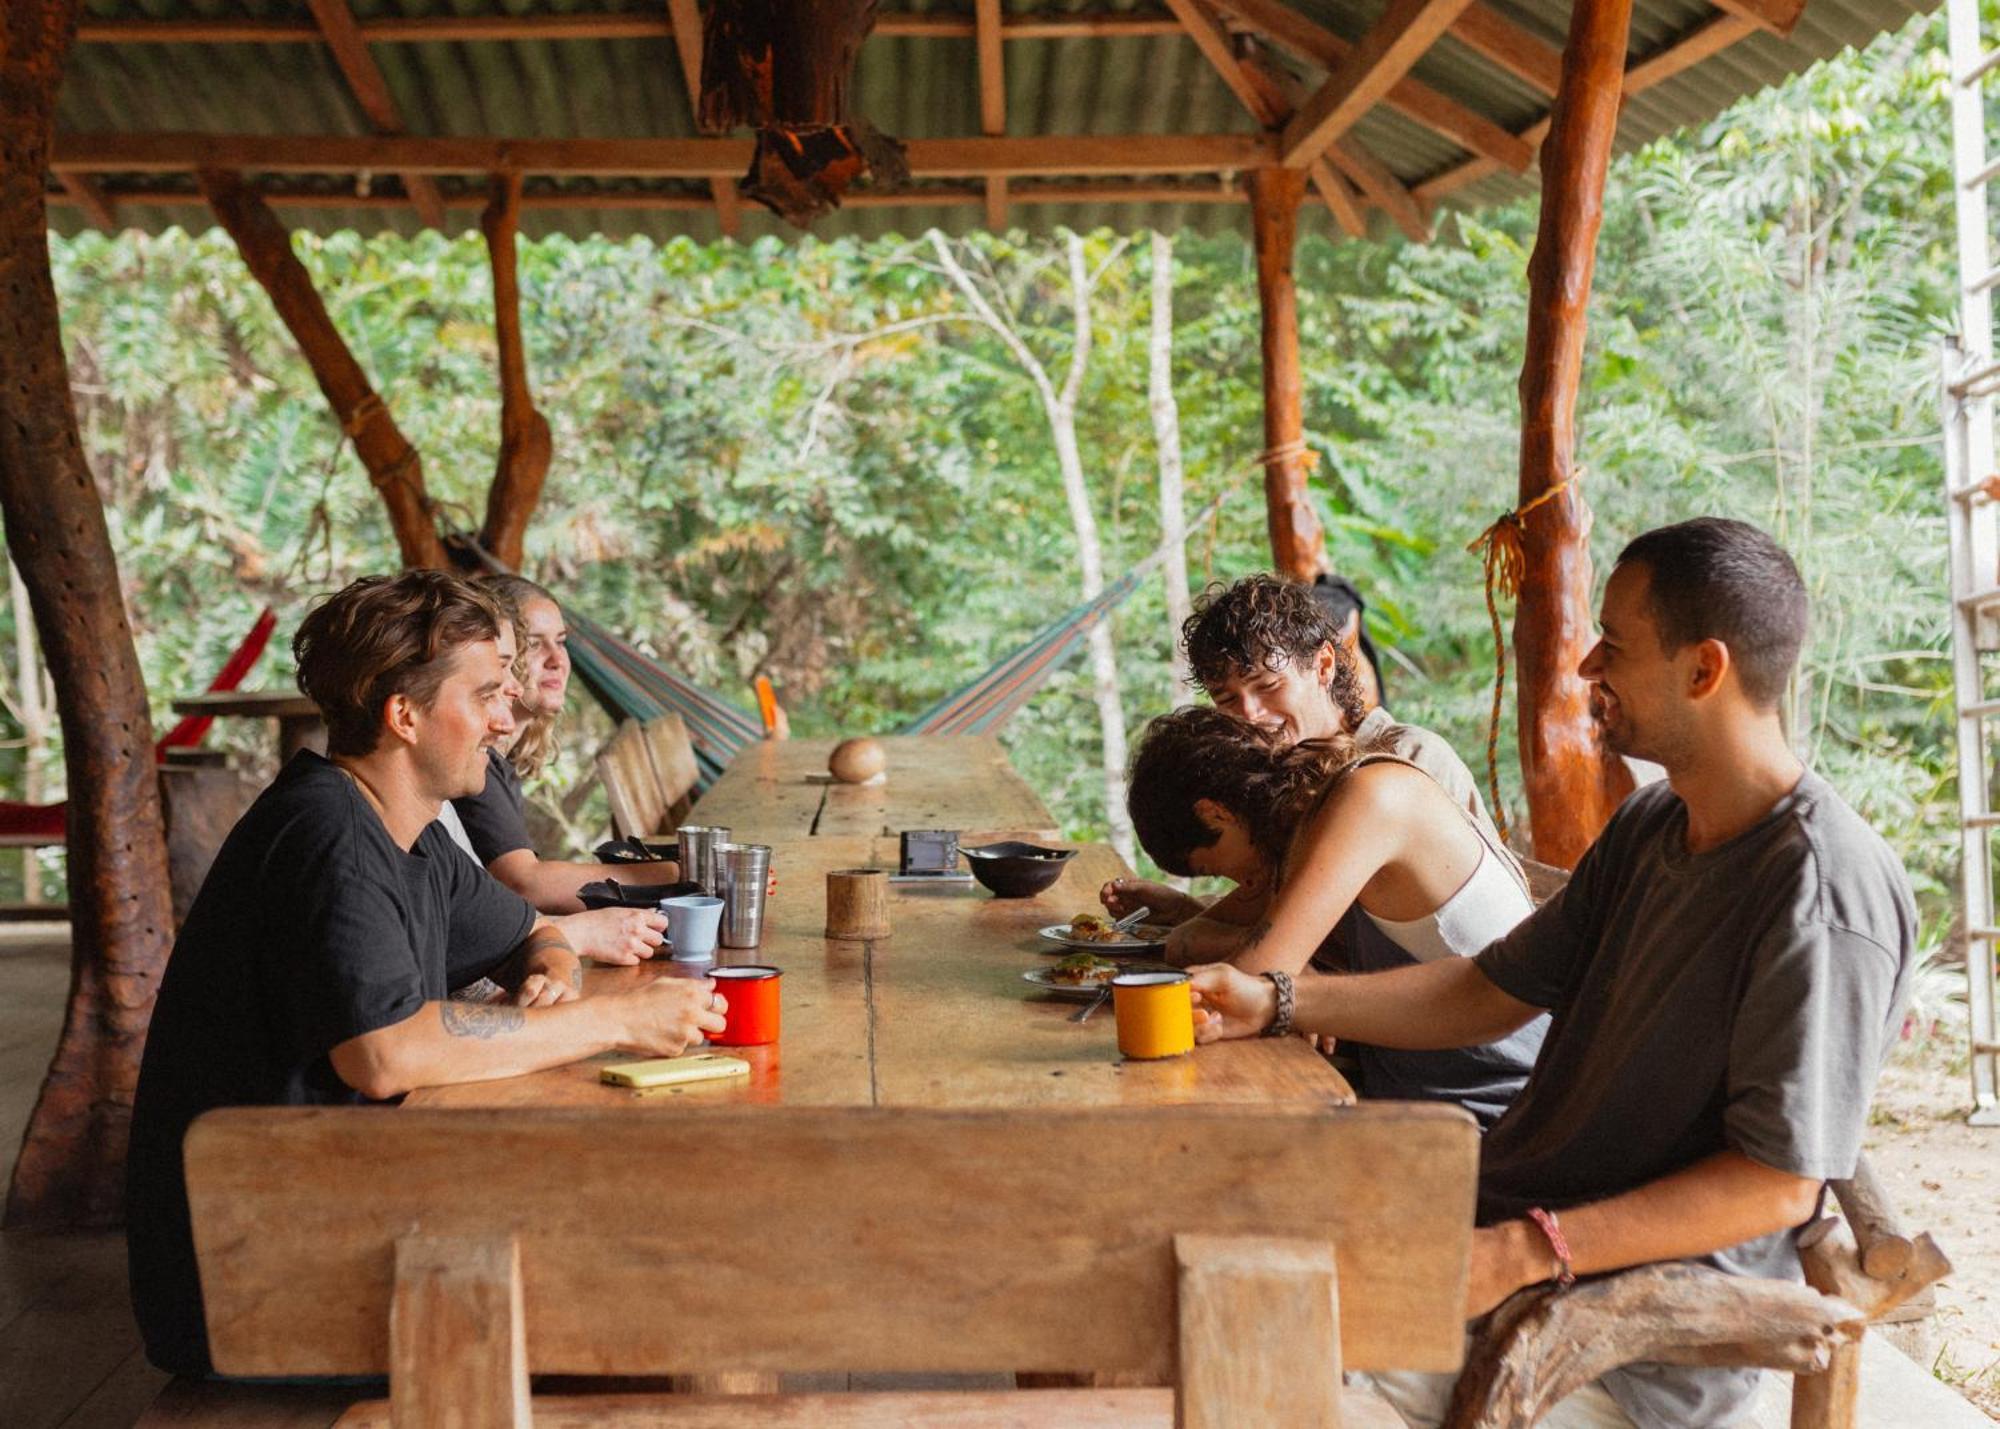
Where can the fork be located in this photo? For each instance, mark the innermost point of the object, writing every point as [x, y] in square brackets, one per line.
[1082, 1014]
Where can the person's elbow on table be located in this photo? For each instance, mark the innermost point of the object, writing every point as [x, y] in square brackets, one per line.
[375, 1064]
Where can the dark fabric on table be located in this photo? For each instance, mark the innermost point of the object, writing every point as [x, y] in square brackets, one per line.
[311, 929]
[1739, 999]
[496, 818]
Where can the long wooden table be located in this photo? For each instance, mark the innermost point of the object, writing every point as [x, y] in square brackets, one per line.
[779, 789]
[935, 1015]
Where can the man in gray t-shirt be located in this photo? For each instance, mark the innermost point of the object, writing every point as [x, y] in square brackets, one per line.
[1726, 970]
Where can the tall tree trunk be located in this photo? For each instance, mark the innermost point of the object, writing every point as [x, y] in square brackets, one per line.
[71, 1166]
[393, 464]
[1059, 405]
[1167, 439]
[1572, 782]
[525, 445]
[1298, 545]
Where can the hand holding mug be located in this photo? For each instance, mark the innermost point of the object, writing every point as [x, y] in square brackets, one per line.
[1230, 1003]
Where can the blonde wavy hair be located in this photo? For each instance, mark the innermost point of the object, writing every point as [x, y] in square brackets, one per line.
[536, 744]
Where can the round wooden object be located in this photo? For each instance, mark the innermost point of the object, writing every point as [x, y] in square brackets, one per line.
[856, 761]
[857, 903]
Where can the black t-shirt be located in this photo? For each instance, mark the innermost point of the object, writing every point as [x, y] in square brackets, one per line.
[311, 928]
[496, 818]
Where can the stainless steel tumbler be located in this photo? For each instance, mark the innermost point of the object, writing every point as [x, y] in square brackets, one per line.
[698, 843]
[742, 873]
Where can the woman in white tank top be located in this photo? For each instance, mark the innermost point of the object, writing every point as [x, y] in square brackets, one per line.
[1372, 836]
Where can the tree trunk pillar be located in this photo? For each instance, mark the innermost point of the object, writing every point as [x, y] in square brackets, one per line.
[1572, 782]
[1298, 546]
[393, 464]
[525, 444]
[71, 1167]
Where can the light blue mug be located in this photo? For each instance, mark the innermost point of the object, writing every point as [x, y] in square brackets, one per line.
[693, 922]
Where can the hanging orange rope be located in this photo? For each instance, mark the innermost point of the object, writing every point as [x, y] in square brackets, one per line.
[1506, 563]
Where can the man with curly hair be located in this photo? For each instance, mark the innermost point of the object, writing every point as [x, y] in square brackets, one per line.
[1267, 652]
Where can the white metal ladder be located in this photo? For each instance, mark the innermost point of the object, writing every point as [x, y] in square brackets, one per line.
[1971, 376]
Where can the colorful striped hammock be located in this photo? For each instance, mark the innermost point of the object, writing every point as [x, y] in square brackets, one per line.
[632, 685]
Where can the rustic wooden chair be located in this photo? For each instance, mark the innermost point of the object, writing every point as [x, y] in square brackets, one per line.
[1544, 1344]
[1240, 1255]
[649, 776]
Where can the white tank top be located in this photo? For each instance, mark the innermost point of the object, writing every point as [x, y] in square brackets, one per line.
[1487, 905]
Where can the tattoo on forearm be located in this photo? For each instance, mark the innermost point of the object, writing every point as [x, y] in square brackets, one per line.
[481, 1021]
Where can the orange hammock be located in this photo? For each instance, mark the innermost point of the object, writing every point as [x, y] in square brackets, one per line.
[48, 821]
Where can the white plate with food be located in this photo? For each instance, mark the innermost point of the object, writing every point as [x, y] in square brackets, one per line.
[1093, 933]
[1080, 976]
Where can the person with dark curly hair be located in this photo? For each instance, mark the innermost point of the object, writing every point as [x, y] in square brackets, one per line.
[1268, 653]
[1329, 829]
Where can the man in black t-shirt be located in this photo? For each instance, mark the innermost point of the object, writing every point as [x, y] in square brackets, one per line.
[325, 957]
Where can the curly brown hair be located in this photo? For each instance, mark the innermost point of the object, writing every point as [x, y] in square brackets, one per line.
[1197, 752]
[383, 636]
[1263, 622]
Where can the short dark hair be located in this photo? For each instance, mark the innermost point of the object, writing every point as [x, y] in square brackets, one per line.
[1198, 752]
[1265, 623]
[382, 636]
[1717, 579]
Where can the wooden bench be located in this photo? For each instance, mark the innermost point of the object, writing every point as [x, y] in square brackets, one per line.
[649, 776]
[1237, 1259]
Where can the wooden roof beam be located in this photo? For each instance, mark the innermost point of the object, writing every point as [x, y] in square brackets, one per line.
[1265, 104]
[433, 29]
[1776, 16]
[987, 19]
[1367, 73]
[82, 190]
[1505, 45]
[686, 18]
[1419, 103]
[1711, 37]
[1070, 155]
[371, 92]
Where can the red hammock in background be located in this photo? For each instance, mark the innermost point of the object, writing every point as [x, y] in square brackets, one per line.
[45, 823]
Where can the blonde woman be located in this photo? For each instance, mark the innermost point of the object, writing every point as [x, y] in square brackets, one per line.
[495, 819]
[1365, 844]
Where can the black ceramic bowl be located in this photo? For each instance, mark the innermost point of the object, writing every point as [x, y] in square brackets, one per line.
[610, 893]
[1017, 870]
[635, 851]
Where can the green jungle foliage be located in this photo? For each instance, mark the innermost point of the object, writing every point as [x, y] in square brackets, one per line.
[807, 461]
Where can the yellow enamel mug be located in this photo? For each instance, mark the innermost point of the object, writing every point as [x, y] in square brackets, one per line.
[1155, 1012]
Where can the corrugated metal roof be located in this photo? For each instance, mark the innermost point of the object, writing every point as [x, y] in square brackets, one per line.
[909, 86]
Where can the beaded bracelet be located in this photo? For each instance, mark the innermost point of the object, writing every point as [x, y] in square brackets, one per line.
[1281, 1025]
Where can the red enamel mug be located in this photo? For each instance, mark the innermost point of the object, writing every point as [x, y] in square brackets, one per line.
[751, 989]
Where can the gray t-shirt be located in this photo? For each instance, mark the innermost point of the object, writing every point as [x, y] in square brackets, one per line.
[1739, 999]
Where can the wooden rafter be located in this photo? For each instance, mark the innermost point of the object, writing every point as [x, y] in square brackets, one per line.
[83, 191]
[686, 17]
[1366, 74]
[1777, 16]
[620, 26]
[1419, 103]
[1111, 155]
[1505, 45]
[350, 52]
[642, 202]
[1711, 37]
[1265, 104]
[987, 23]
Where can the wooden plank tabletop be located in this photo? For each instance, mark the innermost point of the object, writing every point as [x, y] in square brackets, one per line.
[779, 789]
[936, 1015]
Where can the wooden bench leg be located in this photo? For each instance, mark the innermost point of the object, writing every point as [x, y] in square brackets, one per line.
[1259, 1334]
[458, 1343]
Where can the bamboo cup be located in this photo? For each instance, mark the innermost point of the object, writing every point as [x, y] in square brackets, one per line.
[857, 903]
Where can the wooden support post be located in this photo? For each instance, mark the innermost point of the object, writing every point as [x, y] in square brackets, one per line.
[525, 444]
[1572, 782]
[458, 1342]
[1288, 1370]
[1298, 546]
[393, 464]
[71, 1167]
